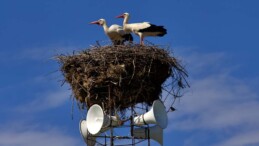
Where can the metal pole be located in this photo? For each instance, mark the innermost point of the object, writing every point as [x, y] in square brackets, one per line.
[148, 129]
[111, 139]
[110, 112]
[105, 140]
[132, 126]
[148, 132]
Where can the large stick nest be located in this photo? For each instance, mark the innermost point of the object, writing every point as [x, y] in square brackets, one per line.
[118, 77]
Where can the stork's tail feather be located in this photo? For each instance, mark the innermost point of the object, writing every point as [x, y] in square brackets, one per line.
[117, 42]
[128, 37]
[156, 29]
[162, 31]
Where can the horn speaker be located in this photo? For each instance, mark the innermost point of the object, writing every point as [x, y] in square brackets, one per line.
[155, 133]
[97, 121]
[156, 115]
[89, 140]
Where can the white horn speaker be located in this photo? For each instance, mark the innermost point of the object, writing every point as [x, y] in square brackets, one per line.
[156, 115]
[155, 133]
[97, 121]
[89, 140]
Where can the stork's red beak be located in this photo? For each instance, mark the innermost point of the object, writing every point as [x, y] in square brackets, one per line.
[95, 22]
[120, 16]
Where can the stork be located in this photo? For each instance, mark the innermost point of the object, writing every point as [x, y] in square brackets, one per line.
[115, 32]
[142, 29]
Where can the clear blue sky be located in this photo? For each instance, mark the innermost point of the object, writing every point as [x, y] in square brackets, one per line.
[216, 40]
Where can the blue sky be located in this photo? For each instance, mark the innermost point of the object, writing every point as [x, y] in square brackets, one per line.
[217, 41]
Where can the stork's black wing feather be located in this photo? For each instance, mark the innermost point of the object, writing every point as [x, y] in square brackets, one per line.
[154, 28]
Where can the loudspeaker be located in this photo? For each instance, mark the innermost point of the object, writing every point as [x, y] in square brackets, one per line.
[89, 140]
[156, 115]
[97, 121]
[155, 133]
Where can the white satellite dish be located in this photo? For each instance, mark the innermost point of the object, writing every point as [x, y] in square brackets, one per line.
[89, 140]
[156, 115]
[155, 133]
[97, 121]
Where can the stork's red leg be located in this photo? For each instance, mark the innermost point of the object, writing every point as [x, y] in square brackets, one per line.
[141, 40]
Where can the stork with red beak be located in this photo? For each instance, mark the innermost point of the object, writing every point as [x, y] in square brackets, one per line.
[115, 32]
[143, 29]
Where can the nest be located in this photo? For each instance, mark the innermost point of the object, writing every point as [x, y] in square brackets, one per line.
[118, 77]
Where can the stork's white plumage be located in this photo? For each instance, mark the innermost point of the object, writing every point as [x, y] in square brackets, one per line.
[142, 29]
[115, 32]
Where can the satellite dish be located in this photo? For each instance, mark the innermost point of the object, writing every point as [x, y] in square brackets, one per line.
[97, 121]
[156, 115]
[89, 140]
[155, 133]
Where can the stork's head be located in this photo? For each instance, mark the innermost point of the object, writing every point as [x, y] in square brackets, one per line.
[99, 22]
[124, 15]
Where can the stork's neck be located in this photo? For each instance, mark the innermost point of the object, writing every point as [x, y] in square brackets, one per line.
[105, 27]
[125, 21]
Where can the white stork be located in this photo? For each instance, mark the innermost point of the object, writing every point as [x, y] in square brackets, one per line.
[142, 29]
[115, 32]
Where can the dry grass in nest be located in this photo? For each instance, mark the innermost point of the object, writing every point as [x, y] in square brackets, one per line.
[118, 77]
